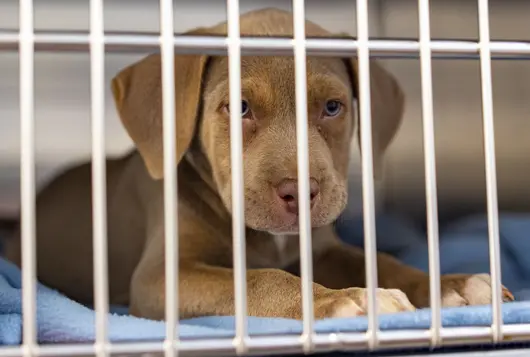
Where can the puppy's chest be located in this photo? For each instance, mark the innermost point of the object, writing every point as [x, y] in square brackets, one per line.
[271, 251]
[278, 251]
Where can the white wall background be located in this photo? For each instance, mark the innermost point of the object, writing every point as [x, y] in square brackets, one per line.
[63, 108]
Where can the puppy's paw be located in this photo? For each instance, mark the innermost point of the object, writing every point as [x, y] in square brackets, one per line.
[389, 301]
[344, 307]
[463, 290]
[354, 302]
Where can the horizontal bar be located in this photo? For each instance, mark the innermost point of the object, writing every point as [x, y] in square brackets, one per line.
[146, 42]
[283, 344]
[503, 352]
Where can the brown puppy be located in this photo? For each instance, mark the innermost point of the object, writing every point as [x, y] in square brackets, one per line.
[135, 194]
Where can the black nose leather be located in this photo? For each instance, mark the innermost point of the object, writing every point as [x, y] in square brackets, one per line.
[287, 191]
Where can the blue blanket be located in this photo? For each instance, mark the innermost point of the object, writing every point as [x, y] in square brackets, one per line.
[463, 247]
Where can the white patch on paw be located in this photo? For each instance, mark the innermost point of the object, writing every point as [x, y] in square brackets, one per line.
[453, 298]
[402, 299]
[477, 290]
[391, 300]
[348, 309]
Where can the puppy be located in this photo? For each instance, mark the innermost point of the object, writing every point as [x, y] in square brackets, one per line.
[135, 191]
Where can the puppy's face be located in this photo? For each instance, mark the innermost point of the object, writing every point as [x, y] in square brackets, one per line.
[268, 121]
[269, 138]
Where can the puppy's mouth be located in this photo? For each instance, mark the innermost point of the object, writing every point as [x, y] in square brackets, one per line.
[285, 231]
[286, 224]
[290, 225]
[281, 224]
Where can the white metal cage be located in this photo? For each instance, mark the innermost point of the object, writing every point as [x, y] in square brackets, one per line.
[27, 41]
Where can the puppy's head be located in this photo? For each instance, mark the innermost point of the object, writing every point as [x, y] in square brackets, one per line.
[268, 121]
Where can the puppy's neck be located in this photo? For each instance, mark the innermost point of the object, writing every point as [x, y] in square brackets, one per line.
[200, 164]
[197, 178]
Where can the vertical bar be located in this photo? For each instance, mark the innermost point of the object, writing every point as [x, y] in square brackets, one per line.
[27, 178]
[236, 157]
[491, 171]
[170, 176]
[367, 171]
[430, 170]
[306, 248]
[99, 190]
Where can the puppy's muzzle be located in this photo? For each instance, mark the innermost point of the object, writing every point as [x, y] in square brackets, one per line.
[287, 194]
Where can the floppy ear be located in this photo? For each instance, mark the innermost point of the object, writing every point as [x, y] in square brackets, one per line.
[387, 105]
[138, 96]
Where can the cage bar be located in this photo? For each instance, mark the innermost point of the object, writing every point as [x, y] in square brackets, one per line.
[99, 189]
[365, 120]
[27, 179]
[491, 171]
[141, 42]
[238, 195]
[304, 210]
[259, 345]
[430, 171]
[170, 177]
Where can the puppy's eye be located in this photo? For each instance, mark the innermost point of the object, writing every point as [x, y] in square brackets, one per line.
[332, 108]
[245, 109]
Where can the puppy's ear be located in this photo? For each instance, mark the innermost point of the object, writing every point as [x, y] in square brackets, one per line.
[138, 96]
[387, 105]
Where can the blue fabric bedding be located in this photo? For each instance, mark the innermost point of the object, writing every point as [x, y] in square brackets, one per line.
[463, 248]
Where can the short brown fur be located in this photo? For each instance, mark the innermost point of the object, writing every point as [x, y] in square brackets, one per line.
[135, 192]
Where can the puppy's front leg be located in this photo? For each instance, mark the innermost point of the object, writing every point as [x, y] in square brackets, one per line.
[209, 291]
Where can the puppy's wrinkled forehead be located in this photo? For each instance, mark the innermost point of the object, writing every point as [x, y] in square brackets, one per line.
[271, 22]
[271, 80]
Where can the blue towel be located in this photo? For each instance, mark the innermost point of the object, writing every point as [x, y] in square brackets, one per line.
[61, 320]
[463, 245]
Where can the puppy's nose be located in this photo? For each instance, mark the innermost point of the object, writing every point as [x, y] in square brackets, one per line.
[287, 191]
